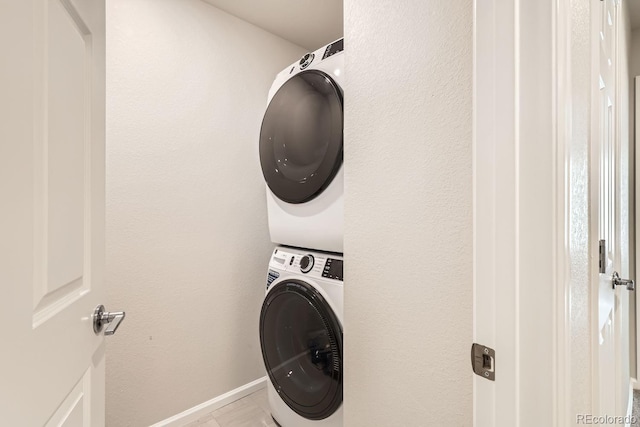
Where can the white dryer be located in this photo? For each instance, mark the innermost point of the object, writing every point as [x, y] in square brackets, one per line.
[301, 152]
[301, 338]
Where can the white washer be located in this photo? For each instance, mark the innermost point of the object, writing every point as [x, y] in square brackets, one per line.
[301, 338]
[301, 152]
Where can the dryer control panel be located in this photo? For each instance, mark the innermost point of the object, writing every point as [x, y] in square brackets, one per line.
[335, 47]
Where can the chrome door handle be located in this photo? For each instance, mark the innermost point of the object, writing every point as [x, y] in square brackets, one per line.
[102, 318]
[617, 281]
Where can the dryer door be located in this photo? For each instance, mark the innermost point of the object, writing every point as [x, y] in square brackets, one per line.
[301, 342]
[301, 137]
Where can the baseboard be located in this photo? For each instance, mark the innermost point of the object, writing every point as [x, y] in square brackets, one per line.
[202, 409]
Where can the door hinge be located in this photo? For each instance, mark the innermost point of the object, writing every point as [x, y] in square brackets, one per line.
[602, 256]
[483, 361]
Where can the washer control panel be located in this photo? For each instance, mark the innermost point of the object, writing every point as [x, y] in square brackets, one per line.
[333, 269]
[316, 264]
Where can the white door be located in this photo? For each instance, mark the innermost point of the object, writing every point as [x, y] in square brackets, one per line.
[52, 212]
[611, 380]
[530, 134]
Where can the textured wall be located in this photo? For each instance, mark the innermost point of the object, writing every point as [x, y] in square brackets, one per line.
[408, 213]
[187, 237]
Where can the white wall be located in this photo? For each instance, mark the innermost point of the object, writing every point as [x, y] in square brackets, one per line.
[408, 213]
[187, 237]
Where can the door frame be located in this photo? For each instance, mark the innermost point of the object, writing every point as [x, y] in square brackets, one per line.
[636, 119]
[522, 80]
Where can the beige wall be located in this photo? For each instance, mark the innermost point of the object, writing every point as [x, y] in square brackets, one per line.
[408, 213]
[187, 237]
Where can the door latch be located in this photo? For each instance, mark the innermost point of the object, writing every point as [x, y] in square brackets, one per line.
[617, 281]
[483, 361]
[101, 318]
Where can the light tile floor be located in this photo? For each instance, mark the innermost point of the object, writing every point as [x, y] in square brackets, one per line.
[635, 410]
[250, 411]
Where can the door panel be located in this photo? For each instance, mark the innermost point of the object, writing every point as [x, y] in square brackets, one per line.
[62, 149]
[52, 192]
[71, 412]
[605, 165]
[611, 363]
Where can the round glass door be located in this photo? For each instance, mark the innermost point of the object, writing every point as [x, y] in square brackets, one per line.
[301, 342]
[301, 137]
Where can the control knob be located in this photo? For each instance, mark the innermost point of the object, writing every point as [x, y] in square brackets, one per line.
[306, 60]
[306, 263]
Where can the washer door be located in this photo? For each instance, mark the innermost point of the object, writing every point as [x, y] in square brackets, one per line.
[301, 342]
[301, 137]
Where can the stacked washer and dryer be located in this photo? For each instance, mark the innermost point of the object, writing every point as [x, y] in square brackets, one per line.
[301, 318]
